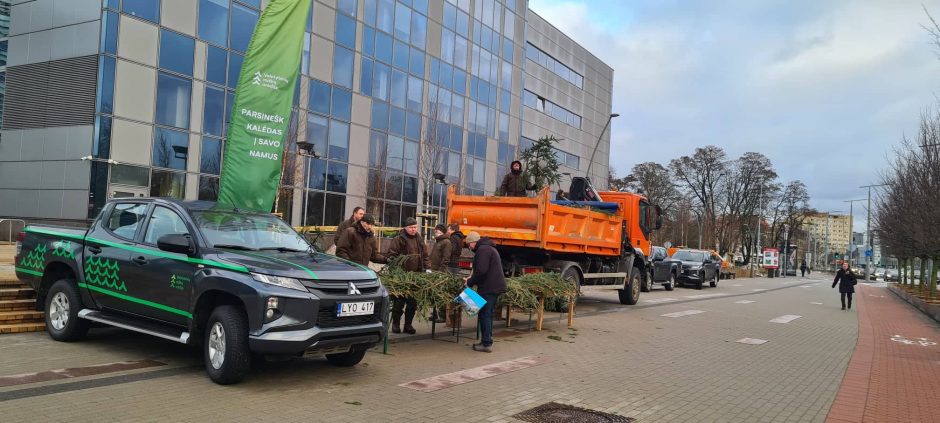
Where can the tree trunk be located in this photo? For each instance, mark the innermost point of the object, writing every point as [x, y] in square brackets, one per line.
[933, 277]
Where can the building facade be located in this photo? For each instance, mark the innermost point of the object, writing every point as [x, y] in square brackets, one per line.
[120, 98]
[839, 231]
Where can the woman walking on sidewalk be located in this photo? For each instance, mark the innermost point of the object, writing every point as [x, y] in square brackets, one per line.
[846, 280]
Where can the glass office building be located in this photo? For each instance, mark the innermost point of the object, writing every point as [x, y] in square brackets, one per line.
[112, 98]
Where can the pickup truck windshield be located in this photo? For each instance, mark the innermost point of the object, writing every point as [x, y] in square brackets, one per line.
[689, 256]
[248, 231]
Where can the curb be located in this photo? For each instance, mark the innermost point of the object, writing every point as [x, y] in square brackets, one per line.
[930, 310]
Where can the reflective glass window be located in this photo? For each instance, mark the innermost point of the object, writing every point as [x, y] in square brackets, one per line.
[316, 178]
[399, 88]
[106, 85]
[173, 100]
[381, 81]
[385, 18]
[208, 188]
[101, 143]
[343, 67]
[396, 148]
[421, 6]
[416, 62]
[213, 109]
[365, 77]
[369, 10]
[210, 155]
[234, 68]
[243, 24]
[176, 52]
[396, 124]
[130, 175]
[348, 7]
[402, 22]
[144, 9]
[213, 21]
[413, 126]
[409, 193]
[170, 148]
[419, 30]
[126, 218]
[339, 140]
[345, 30]
[380, 115]
[317, 133]
[320, 97]
[109, 37]
[377, 149]
[229, 101]
[254, 3]
[336, 177]
[165, 183]
[415, 93]
[368, 41]
[334, 210]
[383, 47]
[342, 104]
[411, 158]
[215, 65]
[400, 59]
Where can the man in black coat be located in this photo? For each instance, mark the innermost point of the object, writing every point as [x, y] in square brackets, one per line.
[487, 277]
[456, 240]
[847, 281]
[515, 183]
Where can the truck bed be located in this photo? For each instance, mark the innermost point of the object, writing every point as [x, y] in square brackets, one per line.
[537, 223]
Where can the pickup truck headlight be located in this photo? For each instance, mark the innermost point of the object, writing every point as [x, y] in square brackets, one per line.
[289, 283]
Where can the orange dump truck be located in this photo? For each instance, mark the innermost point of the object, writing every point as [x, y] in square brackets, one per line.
[589, 242]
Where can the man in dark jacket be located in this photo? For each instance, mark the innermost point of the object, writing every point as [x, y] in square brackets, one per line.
[514, 183]
[846, 280]
[357, 214]
[407, 243]
[456, 240]
[441, 253]
[487, 277]
[357, 243]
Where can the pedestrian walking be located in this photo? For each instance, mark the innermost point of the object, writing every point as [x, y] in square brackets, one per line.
[357, 215]
[514, 183]
[407, 243]
[803, 269]
[845, 277]
[358, 244]
[487, 277]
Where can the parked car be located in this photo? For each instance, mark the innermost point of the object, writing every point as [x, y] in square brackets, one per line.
[698, 266]
[664, 269]
[241, 284]
[879, 273]
[891, 275]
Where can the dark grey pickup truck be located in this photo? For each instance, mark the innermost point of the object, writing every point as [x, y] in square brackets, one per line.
[243, 285]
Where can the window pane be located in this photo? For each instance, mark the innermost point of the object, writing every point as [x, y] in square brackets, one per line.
[380, 115]
[348, 7]
[339, 140]
[336, 177]
[396, 149]
[411, 157]
[234, 69]
[380, 83]
[125, 218]
[320, 96]
[402, 22]
[316, 178]
[393, 188]
[396, 123]
[409, 192]
[215, 65]
[413, 126]
[208, 188]
[106, 85]
[400, 56]
[415, 93]
[416, 62]
[168, 184]
[144, 9]
[345, 30]
[368, 42]
[173, 97]
[421, 6]
[210, 160]
[163, 221]
[314, 214]
[229, 100]
[101, 143]
[108, 39]
[365, 77]
[399, 88]
[369, 13]
[243, 24]
[317, 130]
[212, 119]
[383, 47]
[342, 104]
[386, 15]
[176, 52]
[335, 209]
[392, 213]
[343, 67]
[377, 150]
[213, 21]
[419, 31]
[170, 148]
[130, 175]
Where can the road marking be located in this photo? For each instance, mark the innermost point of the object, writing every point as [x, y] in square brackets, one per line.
[751, 341]
[816, 303]
[74, 372]
[704, 295]
[737, 284]
[683, 313]
[924, 342]
[744, 302]
[759, 289]
[786, 318]
[659, 300]
[448, 380]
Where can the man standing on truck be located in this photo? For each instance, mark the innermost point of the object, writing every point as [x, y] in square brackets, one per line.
[357, 243]
[357, 215]
[407, 243]
[514, 183]
[488, 278]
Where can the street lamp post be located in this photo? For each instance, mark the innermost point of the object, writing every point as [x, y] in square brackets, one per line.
[869, 241]
[596, 144]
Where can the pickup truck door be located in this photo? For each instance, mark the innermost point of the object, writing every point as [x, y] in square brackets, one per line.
[163, 279]
[107, 255]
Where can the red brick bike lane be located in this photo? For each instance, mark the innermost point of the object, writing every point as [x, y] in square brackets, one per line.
[894, 373]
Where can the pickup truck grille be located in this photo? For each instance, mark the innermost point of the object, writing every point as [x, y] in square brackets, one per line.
[334, 288]
[326, 318]
[342, 291]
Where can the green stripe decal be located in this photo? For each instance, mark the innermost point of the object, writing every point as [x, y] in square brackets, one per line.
[309, 272]
[136, 300]
[28, 271]
[159, 253]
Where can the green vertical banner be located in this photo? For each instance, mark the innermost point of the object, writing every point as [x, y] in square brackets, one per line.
[251, 165]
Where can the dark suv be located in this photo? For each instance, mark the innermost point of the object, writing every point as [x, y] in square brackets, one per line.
[698, 266]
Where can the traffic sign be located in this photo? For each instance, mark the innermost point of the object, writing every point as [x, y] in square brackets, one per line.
[868, 252]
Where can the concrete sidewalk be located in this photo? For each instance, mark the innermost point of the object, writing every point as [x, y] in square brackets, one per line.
[893, 375]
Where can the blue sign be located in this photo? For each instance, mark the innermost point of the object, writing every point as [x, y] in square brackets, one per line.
[868, 252]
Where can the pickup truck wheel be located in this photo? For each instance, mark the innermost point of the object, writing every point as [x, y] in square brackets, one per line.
[646, 283]
[346, 359]
[62, 306]
[701, 281]
[630, 293]
[672, 282]
[226, 345]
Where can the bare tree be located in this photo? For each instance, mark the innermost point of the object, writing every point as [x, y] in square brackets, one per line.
[748, 178]
[788, 211]
[701, 175]
[433, 156]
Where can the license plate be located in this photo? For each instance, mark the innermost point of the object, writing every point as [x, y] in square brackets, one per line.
[355, 309]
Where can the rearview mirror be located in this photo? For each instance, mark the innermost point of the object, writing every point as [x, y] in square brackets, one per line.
[177, 243]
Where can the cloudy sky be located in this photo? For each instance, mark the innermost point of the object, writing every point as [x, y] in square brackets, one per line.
[825, 89]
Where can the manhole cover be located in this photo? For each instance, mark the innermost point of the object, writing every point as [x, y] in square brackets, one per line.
[554, 412]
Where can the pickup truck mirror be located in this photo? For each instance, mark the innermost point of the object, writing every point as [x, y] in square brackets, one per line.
[177, 243]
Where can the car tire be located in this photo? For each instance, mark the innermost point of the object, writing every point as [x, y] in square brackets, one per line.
[630, 293]
[701, 281]
[672, 282]
[225, 347]
[346, 359]
[61, 313]
[714, 281]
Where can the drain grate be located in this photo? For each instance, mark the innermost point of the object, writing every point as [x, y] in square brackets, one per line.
[554, 412]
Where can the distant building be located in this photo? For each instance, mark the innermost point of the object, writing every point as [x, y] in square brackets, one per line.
[839, 231]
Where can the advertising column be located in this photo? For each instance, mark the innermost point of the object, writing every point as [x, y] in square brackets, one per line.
[251, 165]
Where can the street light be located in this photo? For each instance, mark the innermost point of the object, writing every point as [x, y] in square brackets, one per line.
[95, 159]
[596, 144]
[869, 240]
